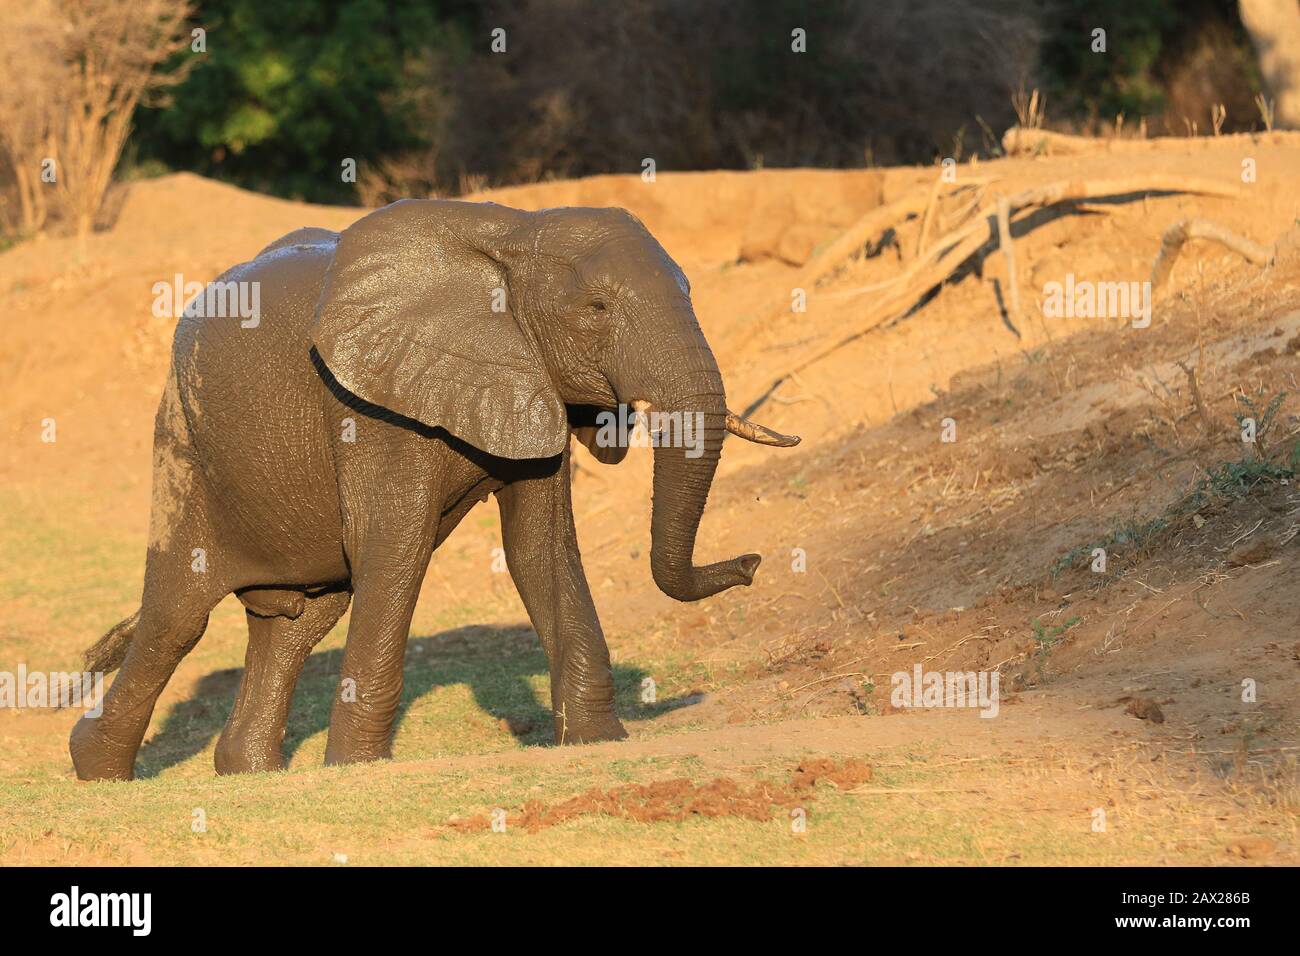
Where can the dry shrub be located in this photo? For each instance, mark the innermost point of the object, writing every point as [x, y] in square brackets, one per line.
[398, 177]
[71, 75]
[30, 74]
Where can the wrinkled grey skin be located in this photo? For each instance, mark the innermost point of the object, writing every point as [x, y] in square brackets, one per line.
[389, 329]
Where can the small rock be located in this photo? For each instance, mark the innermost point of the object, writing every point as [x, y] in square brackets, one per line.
[1255, 553]
[1144, 709]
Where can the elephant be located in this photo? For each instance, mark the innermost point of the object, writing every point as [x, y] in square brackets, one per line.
[398, 373]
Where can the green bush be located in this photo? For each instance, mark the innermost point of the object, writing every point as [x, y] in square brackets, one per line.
[288, 89]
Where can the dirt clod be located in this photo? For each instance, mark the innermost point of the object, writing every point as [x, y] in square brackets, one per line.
[1144, 709]
[1255, 553]
[851, 773]
[680, 798]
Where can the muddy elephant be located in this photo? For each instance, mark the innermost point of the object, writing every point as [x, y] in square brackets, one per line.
[395, 375]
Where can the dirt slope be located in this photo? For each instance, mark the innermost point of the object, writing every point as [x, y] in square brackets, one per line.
[884, 545]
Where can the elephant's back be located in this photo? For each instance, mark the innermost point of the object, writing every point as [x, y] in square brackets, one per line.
[264, 304]
[240, 348]
[253, 399]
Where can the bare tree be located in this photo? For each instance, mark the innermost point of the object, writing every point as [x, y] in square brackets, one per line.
[68, 97]
[31, 70]
[1274, 28]
[113, 50]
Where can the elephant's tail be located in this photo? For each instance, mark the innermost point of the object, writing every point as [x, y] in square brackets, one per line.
[107, 653]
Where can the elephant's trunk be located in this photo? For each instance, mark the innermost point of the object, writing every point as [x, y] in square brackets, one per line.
[686, 456]
[681, 487]
[674, 377]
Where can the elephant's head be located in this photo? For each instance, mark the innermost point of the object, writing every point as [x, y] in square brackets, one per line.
[509, 328]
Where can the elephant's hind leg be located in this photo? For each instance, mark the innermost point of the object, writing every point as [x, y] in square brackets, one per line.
[278, 647]
[172, 619]
[185, 576]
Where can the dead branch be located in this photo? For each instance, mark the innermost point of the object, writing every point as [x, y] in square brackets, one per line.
[1004, 242]
[1171, 244]
[963, 213]
[873, 224]
[1019, 141]
[938, 262]
[1039, 196]
[1197, 401]
[928, 216]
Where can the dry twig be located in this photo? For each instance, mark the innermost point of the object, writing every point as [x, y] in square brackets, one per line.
[1171, 244]
[1004, 242]
[942, 259]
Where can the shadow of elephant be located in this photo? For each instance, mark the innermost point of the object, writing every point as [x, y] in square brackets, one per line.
[496, 663]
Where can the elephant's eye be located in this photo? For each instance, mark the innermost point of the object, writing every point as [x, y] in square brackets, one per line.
[598, 306]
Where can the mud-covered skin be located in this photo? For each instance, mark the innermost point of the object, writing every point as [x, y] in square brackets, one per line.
[318, 456]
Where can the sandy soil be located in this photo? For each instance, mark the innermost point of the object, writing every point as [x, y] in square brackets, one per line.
[885, 546]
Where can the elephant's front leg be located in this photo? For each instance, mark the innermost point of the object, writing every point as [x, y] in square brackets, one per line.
[392, 498]
[541, 548]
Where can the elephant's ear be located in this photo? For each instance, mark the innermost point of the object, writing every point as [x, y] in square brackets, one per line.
[414, 316]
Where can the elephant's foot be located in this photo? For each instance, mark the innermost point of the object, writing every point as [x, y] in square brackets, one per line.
[338, 756]
[577, 727]
[239, 752]
[354, 746]
[97, 756]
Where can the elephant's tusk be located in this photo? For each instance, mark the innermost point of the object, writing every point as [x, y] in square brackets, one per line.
[759, 434]
[742, 427]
